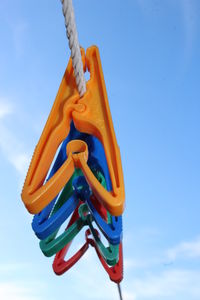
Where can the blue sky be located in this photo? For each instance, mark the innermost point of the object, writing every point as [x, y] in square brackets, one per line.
[150, 56]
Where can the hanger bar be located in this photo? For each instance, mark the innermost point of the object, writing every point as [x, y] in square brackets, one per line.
[119, 290]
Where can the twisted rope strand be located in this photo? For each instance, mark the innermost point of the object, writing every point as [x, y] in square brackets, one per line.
[72, 36]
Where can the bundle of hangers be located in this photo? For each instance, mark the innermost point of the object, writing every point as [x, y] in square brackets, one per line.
[76, 167]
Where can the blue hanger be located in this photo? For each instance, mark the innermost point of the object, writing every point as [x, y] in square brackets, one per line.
[112, 231]
[44, 224]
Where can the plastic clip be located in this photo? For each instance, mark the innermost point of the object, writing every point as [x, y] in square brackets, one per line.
[45, 223]
[90, 114]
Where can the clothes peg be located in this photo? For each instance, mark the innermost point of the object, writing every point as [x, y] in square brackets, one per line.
[53, 244]
[67, 201]
[60, 265]
[112, 230]
[45, 223]
[115, 272]
[90, 114]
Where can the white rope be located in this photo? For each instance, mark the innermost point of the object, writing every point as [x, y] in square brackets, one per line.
[72, 35]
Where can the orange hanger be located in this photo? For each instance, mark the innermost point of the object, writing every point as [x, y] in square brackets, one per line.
[91, 115]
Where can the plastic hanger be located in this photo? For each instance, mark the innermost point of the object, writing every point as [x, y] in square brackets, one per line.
[112, 230]
[60, 265]
[53, 244]
[45, 223]
[67, 202]
[91, 115]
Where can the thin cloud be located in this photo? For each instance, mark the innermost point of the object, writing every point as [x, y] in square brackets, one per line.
[5, 108]
[10, 146]
[169, 284]
[132, 264]
[18, 290]
[13, 150]
[15, 285]
[6, 268]
[185, 250]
